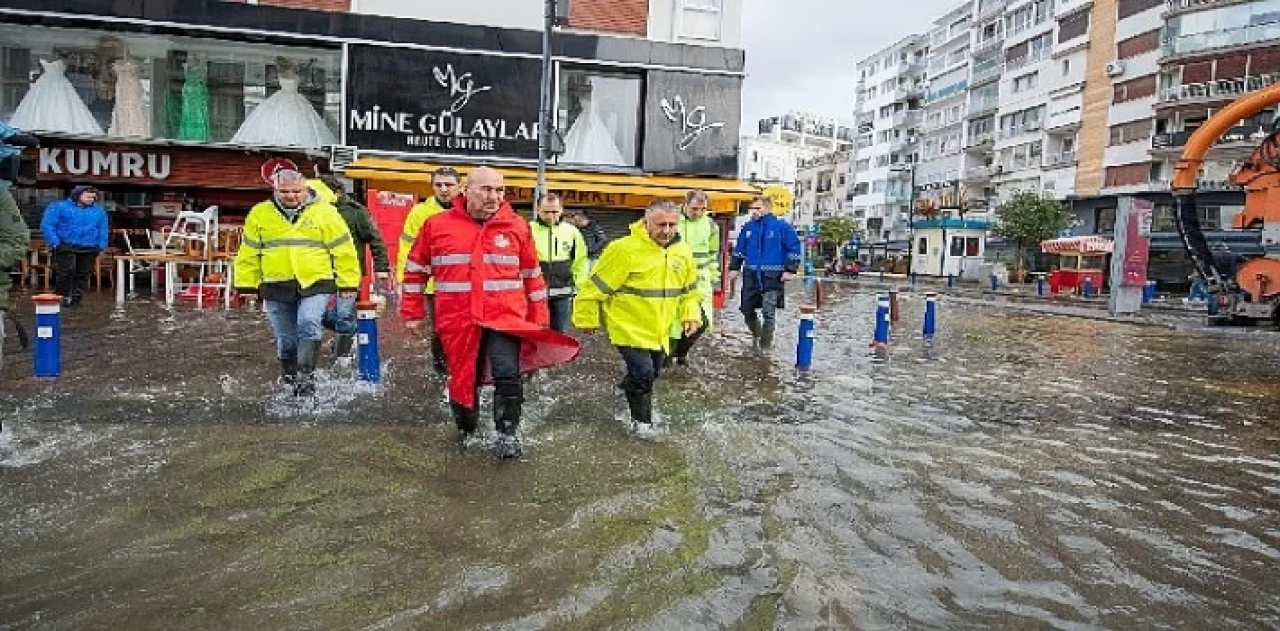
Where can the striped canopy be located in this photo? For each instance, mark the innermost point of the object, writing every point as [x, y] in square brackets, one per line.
[1086, 245]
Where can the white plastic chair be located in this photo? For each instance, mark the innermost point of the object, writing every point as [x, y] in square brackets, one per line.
[199, 227]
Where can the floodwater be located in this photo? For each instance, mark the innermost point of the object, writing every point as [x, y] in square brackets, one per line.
[1023, 470]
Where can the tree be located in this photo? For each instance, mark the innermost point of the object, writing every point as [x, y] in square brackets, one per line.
[837, 231]
[1029, 218]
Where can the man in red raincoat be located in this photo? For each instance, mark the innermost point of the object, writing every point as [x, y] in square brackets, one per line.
[491, 304]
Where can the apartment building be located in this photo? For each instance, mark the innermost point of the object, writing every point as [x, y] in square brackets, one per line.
[888, 113]
[942, 157]
[822, 185]
[784, 142]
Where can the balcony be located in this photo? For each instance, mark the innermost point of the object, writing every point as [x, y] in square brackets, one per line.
[1013, 132]
[909, 118]
[1240, 137]
[902, 143]
[1060, 160]
[980, 141]
[1026, 60]
[1178, 6]
[979, 76]
[947, 92]
[1201, 185]
[1025, 26]
[979, 108]
[1211, 91]
[1063, 119]
[1067, 7]
[990, 8]
[1019, 163]
[941, 123]
[979, 174]
[903, 93]
[1242, 36]
[986, 45]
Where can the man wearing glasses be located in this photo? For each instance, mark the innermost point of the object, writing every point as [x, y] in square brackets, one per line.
[768, 253]
[490, 305]
[444, 184]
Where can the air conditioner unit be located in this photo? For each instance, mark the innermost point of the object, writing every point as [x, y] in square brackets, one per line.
[341, 156]
[1115, 68]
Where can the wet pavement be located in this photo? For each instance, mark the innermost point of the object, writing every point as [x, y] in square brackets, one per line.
[1023, 470]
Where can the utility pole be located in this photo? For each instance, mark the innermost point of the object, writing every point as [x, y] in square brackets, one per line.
[544, 104]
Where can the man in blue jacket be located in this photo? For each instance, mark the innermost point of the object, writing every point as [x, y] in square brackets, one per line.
[768, 250]
[75, 229]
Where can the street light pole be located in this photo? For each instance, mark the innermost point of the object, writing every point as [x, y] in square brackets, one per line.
[544, 103]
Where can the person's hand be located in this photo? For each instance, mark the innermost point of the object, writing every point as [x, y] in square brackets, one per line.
[415, 326]
[690, 327]
[786, 276]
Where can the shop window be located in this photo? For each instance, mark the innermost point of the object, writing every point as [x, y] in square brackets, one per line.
[972, 246]
[923, 246]
[957, 246]
[137, 85]
[1105, 222]
[599, 117]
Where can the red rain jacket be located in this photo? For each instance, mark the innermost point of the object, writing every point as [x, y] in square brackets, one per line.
[487, 276]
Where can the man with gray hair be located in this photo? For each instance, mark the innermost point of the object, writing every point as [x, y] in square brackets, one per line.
[642, 283]
[296, 254]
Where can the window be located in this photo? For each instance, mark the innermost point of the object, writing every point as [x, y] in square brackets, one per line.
[1133, 89]
[922, 247]
[601, 113]
[700, 19]
[957, 246]
[237, 78]
[1127, 175]
[1025, 82]
[1134, 7]
[972, 246]
[1138, 44]
[1073, 26]
[1130, 132]
[1105, 221]
[1066, 67]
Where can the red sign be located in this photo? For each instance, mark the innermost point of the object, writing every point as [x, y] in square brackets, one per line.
[389, 210]
[270, 167]
[1137, 243]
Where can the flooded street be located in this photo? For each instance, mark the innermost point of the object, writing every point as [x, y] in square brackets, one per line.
[1024, 470]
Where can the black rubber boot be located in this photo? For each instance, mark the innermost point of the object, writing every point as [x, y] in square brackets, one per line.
[342, 346]
[766, 335]
[753, 325]
[466, 419]
[506, 419]
[437, 357]
[289, 371]
[308, 351]
[641, 413]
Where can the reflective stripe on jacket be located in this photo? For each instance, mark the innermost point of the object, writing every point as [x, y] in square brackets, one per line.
[563, 255]
[703, 238]
[316, 246]
[642, 288]
[767, 245]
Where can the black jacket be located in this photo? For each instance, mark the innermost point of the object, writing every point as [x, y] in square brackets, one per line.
[365, 234]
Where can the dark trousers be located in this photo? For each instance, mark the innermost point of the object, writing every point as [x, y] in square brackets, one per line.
[681, 346]
[761, 292]
[500, 352]
[72, 268]
[560, 309]
[643, 368]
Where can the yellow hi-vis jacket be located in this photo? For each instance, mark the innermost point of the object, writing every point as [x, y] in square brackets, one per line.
[315, 247]
[642, 288]
[703, 238]
[562, 253]
[418, 215]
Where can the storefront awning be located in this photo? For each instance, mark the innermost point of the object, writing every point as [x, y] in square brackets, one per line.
[582, 188]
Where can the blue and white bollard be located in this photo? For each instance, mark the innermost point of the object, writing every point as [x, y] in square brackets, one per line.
[951, 280]
[804, 343]
[1040, 286]
[1149, 292]
[930, 314]
[48, 336]
[995, 282]
[882, 321]
[370, 363]
[1088, 288]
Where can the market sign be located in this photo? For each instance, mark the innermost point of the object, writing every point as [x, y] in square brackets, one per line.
[204, 167]
[447, 103]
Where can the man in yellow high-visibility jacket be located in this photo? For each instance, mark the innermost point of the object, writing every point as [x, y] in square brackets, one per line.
[444, 184]
[296, 254]
[642, 283]
[702, 234]
[562, 254]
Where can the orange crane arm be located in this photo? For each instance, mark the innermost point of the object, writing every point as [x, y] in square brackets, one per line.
[1187, 172]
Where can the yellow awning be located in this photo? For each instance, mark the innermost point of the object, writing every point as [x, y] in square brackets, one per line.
[578, 188]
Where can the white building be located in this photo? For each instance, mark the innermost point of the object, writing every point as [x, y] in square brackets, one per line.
[697, 22]
[822, 184]
[1022, 96]
[773, 156]
[942, 157]
[888, 116]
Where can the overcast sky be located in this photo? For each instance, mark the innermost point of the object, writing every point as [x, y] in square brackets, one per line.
[800, 53]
